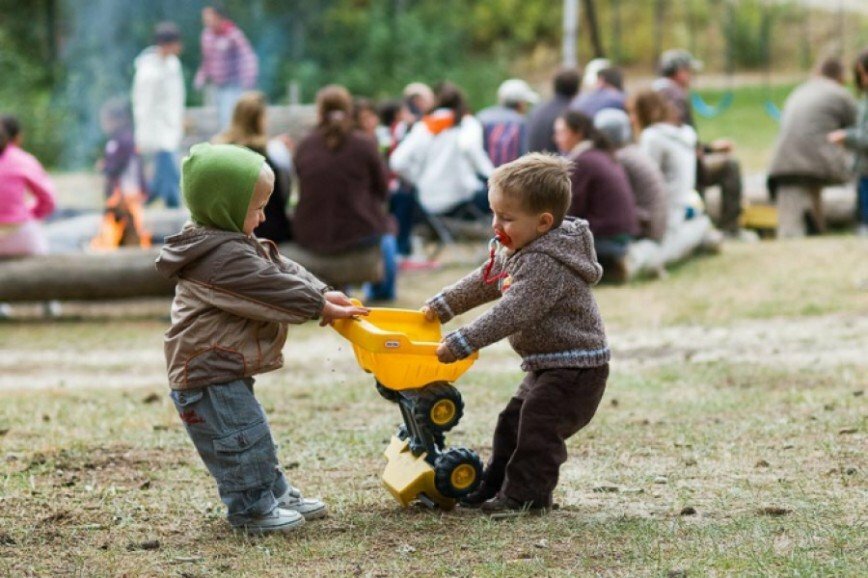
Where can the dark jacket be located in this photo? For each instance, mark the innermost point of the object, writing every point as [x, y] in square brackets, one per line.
[342, 194]
[542, 122]
[602, 194]
[546, 306]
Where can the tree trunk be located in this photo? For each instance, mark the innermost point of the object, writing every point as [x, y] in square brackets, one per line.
[129, 273]
[594, 28]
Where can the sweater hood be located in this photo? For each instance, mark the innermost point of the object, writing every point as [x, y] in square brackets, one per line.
[573, 245]
[191, 244]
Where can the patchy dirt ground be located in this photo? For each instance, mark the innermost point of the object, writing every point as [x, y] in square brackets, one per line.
[731, 441]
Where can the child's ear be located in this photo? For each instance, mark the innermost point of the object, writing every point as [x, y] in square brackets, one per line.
[546, 220]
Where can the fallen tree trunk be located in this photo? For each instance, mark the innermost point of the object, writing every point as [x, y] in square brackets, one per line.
[130, 273]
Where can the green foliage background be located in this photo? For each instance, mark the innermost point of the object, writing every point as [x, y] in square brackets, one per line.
[61, 59]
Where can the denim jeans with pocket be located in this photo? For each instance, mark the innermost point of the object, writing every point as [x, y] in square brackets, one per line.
[231, 434]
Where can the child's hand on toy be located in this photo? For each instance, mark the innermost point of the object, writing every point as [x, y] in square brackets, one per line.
[338, 298]
[332, 311]
[430, 314]
[445, 355]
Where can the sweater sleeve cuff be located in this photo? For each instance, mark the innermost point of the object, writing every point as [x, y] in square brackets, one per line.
[458, 344]
[441, 307]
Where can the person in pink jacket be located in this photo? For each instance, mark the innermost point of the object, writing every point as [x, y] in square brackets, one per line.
[26, 195]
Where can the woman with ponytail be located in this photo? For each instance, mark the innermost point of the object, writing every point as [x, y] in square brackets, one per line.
[343, 189]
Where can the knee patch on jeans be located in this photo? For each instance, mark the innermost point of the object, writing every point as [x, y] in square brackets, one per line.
[249, 459]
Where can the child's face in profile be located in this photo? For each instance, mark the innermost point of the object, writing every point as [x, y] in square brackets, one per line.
[261, 193]
[515, 225]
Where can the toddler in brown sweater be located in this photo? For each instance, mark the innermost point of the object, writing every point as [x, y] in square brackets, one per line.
[542, 273]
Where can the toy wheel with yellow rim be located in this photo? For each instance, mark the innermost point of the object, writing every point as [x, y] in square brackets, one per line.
[439, 407]
[457, 472]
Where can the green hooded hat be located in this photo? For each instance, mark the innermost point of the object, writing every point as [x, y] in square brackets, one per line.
[217, 182]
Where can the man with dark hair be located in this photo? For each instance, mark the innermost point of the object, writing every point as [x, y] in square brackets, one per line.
[716, 165]
[608, 93]
[542, 121]
[803, 161]
[229, 64]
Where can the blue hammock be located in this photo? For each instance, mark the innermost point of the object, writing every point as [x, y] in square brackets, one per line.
[706, 110]
[772, 110]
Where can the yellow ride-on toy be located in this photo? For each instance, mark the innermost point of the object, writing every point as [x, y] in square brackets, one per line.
[399, 347]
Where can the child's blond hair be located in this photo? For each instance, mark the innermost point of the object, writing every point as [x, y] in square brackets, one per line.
[540, 182]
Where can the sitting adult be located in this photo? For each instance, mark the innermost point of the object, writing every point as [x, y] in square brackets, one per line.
[608, 92]
[803, 161]
[343, 189]
[672, 147]
[716, 163]
[247, 129]
[26, 196]
[443, 156]
[646, 180]
[504, 125]
[601, 190]
[542, 119]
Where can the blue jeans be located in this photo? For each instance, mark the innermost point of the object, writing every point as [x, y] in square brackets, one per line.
[225, 98]
[231, 434]
[384, 289]
[862, 197]
[404, 206]
[166, 183]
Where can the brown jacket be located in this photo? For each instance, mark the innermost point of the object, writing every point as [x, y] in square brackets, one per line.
[234, 297]
[546, 307]
[342, 194]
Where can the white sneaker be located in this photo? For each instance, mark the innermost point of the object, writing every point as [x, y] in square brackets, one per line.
[5, 311]
[310, 508]
[279, 520]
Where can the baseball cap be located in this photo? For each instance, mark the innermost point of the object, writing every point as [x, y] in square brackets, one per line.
[514, 91]
[676, 59]
[166, 33]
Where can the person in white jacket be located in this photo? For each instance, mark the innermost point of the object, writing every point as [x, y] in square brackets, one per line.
[158, 111]
[672, 146]
[443, 155]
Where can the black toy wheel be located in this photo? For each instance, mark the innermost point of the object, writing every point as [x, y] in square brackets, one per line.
[438, 407]
[388, 394]
[457, 472]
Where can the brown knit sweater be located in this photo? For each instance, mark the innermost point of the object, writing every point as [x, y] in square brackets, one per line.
[546, 308]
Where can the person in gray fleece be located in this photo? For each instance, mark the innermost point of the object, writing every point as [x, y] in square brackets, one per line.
[542, 273]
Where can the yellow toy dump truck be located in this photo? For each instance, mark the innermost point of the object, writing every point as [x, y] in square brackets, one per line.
[399, 347]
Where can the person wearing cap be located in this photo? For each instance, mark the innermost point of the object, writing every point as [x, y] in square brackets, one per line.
[542, 120]
[505, 131]
[229, 64]
[716, 165]
[646, 180]
[158, 98]
[234, 297]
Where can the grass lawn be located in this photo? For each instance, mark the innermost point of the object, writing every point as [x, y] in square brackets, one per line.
[745, 122]
[731, 441]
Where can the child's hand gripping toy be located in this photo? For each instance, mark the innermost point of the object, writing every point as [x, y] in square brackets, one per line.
[399, 347]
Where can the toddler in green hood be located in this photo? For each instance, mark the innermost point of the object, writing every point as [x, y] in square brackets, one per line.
[218, 183]
[234, 299]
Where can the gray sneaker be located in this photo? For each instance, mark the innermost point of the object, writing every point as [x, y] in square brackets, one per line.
[279, 520]
[310, 508]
